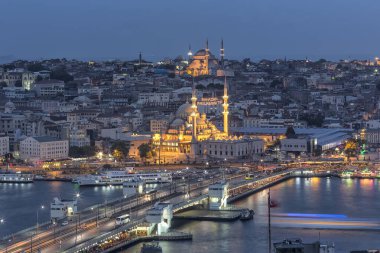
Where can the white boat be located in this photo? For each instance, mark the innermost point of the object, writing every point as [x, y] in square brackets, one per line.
[18, 177]
[119, 177]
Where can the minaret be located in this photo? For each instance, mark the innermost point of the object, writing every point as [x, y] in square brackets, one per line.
[225, 107]
[222, 54]
[207, 57]
[189, 54]
[195, 110]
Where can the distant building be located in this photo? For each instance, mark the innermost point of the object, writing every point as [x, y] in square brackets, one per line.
[43, 148]
[79, 138]
[28, 79]
[296, 145]
[4, 145]
[47, 88]
[157, 125]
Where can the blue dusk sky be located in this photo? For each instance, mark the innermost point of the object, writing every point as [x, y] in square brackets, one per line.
[109, 29]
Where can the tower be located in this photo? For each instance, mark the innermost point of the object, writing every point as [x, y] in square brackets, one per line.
[222, 54]
[206, 69]
[189, 54]
[225, 107]
[194, 111]
[140, 58]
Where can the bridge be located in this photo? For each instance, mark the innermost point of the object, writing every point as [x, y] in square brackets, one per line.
[95, 228]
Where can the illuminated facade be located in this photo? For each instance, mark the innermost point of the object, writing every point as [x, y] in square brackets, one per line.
[203, 62]
[192, 137]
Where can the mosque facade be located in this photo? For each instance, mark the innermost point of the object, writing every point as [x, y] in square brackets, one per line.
[192, 137]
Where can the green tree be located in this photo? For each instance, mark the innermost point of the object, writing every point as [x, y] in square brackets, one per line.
[350, 148]
[35, 67]
[61, 74]
[313, 119]
[18, 83]
[3, 84]
[86, 151]
[146, 151]
[290, 133]
[120, 150]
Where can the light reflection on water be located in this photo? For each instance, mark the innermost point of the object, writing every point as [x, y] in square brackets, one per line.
[19, 202]
[319, 196]
[352, 197]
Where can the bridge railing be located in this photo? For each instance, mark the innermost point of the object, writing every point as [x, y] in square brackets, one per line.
[101, 238]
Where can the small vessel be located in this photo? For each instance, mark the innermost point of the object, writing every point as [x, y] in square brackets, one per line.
[247, 215]
[151, 248]
[18, 177]
[347, 174]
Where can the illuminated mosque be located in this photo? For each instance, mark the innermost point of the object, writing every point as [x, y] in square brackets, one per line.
[203, 62]
[192, 137]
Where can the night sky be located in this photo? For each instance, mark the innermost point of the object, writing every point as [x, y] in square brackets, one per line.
[108, 29]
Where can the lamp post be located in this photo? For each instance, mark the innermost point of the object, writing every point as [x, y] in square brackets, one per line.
[6, 244]
[31, 237]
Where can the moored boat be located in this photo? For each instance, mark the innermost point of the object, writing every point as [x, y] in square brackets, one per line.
[18, 177]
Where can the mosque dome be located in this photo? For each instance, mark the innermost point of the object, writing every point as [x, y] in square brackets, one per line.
[184, 111]
[177, 123]
[202, 52]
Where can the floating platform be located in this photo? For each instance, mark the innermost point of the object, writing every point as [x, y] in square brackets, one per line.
[209, 215]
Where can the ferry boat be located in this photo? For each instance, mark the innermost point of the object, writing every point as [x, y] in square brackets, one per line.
[347, 174]
[119, 177]
[18, 177]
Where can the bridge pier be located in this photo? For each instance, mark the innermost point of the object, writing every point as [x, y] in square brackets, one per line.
[161, 215]
[218, 195]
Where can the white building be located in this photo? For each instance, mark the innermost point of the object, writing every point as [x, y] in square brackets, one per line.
[231, 149]
[60, 209]
[79, 138]
[294, 145]
[218, 195]
[44, 148]
[162, 215]
[49, 88]
[4, 145]
[154, 98]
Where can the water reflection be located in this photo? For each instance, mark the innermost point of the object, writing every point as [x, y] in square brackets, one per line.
[316, 196]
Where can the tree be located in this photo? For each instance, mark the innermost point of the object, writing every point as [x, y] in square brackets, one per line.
[39, 78]
[350, 148]
[18, 83]
[290, 133]
[35, 67]
[86, 151]
[61, 74]
[313, 119]
[146, 151]
[3, 84]
[120, 150]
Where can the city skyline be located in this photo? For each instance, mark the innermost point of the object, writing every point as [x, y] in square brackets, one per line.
[119, 30]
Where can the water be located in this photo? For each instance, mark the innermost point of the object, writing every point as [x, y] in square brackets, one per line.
[19, 202]
[357, 199]
[354, 198]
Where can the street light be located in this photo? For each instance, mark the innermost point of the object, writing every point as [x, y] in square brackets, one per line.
[31, 237]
